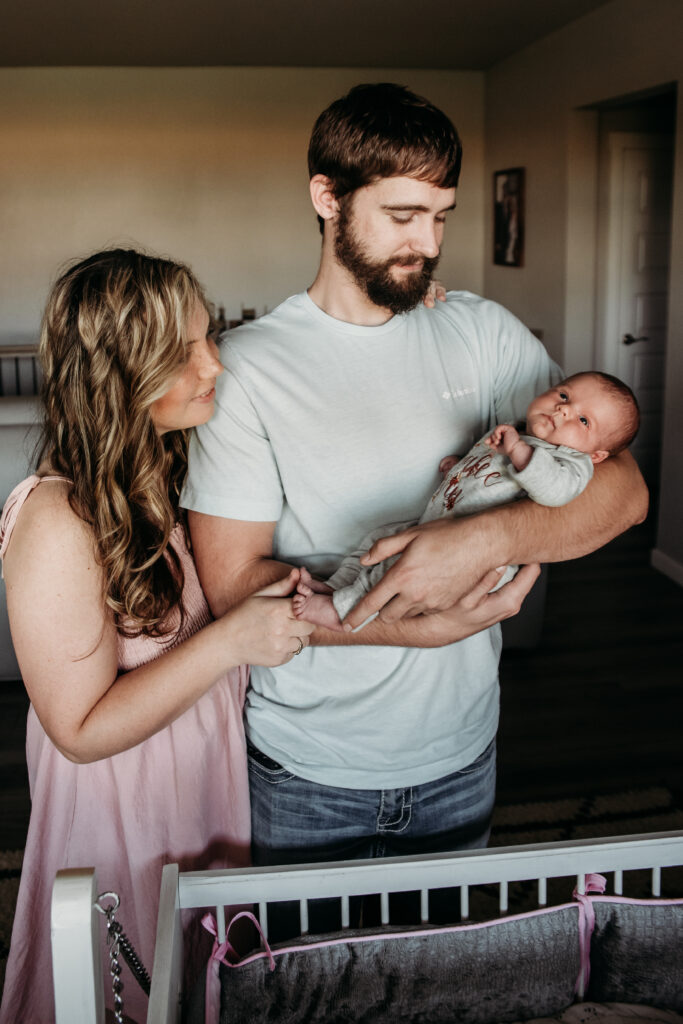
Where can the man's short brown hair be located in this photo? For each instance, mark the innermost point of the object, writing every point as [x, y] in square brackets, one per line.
[383, 130]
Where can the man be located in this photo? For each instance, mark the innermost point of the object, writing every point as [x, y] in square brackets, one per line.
[331, 421]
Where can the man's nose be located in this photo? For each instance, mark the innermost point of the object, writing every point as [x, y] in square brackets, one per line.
[427, 241]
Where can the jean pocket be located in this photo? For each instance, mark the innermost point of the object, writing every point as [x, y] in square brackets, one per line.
[265, 767]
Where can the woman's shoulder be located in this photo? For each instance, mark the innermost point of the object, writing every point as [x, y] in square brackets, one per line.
[37, 515]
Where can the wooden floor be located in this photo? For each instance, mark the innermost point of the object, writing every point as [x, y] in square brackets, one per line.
[596, 707]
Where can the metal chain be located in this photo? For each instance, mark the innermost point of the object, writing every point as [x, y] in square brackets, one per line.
[118, 942]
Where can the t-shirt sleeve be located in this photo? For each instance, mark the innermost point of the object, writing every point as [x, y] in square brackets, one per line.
[521, 367]
[232, 471]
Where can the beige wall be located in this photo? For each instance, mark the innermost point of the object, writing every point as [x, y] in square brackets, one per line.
[207, 164]
[532, 120]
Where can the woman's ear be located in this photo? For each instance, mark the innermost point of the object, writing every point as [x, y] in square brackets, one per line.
[325, 203]
[599, 456]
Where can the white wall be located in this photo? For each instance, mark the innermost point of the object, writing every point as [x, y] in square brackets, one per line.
[208, 165]
[533, 120]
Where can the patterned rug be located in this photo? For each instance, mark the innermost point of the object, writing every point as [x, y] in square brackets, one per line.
[628, 812]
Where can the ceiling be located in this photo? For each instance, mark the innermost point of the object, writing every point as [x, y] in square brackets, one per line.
[458, 34]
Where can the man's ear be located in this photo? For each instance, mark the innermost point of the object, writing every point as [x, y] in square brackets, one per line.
[599, 456]
[323, 198]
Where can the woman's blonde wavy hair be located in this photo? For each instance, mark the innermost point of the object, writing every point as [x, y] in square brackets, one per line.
[114, 336]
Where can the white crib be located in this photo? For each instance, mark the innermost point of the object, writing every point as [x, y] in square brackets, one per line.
[76, 926]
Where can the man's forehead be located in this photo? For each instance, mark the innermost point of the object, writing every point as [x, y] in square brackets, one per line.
[411, 193]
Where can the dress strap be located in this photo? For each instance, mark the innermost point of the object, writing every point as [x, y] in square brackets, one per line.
[14, 504]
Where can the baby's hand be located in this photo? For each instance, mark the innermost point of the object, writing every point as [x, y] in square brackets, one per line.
[504, 434]
[447, 463]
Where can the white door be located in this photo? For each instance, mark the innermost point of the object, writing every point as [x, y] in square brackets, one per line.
[638, 242]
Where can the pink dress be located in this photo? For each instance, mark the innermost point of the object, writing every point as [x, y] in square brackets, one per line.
[180, 796]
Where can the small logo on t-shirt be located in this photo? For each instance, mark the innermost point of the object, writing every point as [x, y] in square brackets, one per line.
[458, 393]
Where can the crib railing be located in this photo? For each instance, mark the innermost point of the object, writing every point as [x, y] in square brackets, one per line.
[215, 890]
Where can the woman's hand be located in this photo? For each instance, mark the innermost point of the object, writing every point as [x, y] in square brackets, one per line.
[264, 629]
[436, 292]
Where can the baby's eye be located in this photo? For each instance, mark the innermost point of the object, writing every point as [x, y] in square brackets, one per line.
[563, 395]
[584, 420]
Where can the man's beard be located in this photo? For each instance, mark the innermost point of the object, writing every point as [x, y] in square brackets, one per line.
[374, 276]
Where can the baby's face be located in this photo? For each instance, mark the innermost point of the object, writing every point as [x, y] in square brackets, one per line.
[578, 413]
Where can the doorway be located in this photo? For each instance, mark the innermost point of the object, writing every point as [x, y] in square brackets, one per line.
[635, 183]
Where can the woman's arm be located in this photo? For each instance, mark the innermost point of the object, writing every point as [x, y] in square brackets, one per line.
[66, 642]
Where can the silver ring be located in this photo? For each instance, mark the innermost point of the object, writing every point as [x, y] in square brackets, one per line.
[301, 647]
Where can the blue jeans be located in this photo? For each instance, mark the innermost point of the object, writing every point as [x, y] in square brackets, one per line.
[295, 821]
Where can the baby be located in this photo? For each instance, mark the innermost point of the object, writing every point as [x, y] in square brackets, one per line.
[569, 429]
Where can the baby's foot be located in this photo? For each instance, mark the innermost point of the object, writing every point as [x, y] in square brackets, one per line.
[316, 608]
[317, 586]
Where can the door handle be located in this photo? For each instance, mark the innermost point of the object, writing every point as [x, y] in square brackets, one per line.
[628, 339]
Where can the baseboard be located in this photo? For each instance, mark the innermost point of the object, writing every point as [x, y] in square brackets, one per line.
[669, 566]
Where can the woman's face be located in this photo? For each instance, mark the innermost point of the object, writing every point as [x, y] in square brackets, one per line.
[189, 401]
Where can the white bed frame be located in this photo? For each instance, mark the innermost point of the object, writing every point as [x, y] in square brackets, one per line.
[76, 925]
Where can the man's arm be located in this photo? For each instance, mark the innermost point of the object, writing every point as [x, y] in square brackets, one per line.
[234, 558]
[440, 560]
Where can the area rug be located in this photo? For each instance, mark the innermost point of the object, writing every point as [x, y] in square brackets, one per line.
[627, 812]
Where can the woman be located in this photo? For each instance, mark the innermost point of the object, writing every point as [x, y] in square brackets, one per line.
[135, 745]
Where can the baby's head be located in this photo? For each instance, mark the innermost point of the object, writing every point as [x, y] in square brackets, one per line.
[592, 412]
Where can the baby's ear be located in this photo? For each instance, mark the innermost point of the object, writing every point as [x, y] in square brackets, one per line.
[599, 457]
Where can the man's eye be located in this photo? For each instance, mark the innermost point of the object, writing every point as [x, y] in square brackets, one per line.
[401, 220]
[440, 220]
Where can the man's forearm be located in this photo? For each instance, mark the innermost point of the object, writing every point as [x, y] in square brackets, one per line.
[615, 499]
[442, 560]
[236, 587]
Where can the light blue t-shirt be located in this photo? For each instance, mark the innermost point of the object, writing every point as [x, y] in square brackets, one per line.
[332, 429]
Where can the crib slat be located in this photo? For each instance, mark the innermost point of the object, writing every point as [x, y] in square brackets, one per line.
[656, 881]
[464, 902]
[581, 884]
[303, 916]
[384, 905]
[542, 892]
[619, 883]
[503, 897]
[424, 906]
[263, 918]
[220, 924]
[345, 915]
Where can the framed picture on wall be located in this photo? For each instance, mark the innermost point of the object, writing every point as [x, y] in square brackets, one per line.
[508, 217]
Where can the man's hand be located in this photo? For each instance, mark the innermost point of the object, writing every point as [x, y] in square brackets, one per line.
[474, 611]
[440, 563]
[443, 560]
